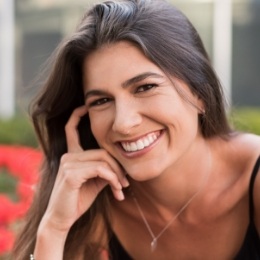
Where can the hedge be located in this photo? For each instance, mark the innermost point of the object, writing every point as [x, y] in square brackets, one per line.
[19, 130]
[246, 119]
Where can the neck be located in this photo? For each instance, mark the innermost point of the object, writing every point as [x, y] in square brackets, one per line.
[167, 193]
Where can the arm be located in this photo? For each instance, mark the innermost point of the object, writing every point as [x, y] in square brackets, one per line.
[50, 243]
[81, 176]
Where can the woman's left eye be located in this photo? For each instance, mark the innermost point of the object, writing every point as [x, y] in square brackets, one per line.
[99, 102]
[145, 87]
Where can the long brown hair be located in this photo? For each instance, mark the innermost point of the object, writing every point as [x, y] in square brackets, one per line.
[168, 39]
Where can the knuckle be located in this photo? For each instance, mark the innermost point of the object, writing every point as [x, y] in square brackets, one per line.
[67, 176]
[66, 165]
[65, 158]
[66, 170]
[103, 173]
[104, 164]
[104, 153]
[99, 169]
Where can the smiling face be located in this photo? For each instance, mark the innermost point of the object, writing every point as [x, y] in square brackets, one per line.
[136, 114]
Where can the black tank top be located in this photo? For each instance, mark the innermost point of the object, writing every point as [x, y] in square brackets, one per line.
[250, 249]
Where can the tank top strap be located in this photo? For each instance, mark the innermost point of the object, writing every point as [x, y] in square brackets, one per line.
[251, 189]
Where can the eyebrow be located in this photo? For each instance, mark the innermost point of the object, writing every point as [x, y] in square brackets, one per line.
[140, 77]
[129, 82]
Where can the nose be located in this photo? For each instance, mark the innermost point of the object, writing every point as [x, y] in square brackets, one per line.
[126, 118]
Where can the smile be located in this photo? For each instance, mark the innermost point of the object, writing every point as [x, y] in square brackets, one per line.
[141, 143]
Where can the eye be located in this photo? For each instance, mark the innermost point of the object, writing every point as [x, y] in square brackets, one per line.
[145, 87]
[99, 102]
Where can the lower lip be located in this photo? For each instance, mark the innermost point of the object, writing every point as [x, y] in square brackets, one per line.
[143, 151]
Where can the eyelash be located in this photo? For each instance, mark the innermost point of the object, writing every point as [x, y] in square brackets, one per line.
[99, 102]
[144, 88]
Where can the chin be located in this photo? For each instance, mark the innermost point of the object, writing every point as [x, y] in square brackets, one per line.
[143, 175]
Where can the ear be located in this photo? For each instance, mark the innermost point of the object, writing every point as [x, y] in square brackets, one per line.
[200, 105]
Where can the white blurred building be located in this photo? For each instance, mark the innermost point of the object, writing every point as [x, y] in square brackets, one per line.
[230, 31]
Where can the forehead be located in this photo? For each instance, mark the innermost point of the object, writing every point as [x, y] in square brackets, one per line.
[115, 63]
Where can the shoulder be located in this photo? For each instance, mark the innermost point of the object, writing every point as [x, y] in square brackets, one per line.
[249, 142]
[245, 148]
[248, 149]
[255, 145]
[239, 154]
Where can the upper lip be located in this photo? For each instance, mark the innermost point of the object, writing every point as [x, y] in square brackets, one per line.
[137, 138]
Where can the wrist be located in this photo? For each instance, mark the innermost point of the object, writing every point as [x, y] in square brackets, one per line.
[50, 243]
[52, 226]
[46, 231]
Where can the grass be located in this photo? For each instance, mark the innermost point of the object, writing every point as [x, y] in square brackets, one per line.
[246, 119]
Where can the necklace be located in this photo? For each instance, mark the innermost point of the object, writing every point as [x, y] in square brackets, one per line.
[156, 237]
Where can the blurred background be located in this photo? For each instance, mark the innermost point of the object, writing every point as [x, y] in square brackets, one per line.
[31, 29]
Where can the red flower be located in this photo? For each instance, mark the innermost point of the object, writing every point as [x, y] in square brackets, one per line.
[6, 240]
[7, 210]
[23, 164]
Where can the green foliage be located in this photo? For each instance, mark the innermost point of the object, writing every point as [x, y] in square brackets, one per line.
[17, 131]
[7, 184]
[246, 119]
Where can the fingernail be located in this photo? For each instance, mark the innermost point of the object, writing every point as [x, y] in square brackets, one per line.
[121, 195]
[125, 182]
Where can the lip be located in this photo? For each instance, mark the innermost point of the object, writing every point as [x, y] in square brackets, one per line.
[144, 150]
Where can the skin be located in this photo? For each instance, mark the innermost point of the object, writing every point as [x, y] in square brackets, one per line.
[124, 107]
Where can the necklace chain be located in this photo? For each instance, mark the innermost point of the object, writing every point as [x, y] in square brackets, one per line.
[156, 237]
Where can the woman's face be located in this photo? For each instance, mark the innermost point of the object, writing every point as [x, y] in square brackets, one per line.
[136, 114]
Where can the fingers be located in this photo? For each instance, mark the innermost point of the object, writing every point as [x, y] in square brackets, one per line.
[98, 155]
[103, 156]
[105, 176]
[71, 129]
[98, 164]
[93, 175]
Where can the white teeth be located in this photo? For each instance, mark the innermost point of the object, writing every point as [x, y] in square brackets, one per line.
[141, 143]
[133, 146]
[146, 142]
[150, 137]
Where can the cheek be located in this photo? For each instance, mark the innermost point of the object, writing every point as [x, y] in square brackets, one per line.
[99, 125]
[164, 107]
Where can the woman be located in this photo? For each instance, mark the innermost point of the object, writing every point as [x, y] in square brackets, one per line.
[140, 162]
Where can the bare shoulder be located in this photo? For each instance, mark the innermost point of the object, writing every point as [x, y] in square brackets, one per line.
[255, 145]
[248, 147]
[245, 151]
[250, 141]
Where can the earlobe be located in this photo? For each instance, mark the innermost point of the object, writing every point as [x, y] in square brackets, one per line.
[201, 107]
[202, 111]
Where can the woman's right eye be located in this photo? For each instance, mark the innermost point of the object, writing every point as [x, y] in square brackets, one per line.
[99, 102]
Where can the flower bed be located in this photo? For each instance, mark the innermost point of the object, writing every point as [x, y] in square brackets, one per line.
[22, 164]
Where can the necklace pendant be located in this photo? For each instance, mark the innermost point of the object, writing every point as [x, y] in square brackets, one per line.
[153, 244]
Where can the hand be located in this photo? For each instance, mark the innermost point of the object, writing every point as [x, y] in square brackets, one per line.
[81, 176]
